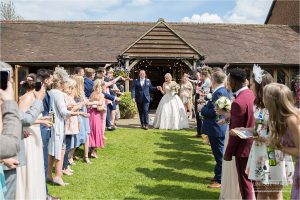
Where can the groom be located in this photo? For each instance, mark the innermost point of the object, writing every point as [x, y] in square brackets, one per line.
[140, 94]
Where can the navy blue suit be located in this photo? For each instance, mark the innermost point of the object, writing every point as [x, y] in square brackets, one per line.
[141, 94]
[216, 133]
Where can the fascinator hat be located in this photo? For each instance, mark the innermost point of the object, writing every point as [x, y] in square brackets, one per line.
[258, 73]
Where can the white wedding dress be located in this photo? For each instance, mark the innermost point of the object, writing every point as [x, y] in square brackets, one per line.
[170, 113]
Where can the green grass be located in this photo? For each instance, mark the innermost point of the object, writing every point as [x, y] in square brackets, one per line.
[138, 164]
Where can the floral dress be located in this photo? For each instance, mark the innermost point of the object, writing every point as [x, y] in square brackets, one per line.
[258, 167]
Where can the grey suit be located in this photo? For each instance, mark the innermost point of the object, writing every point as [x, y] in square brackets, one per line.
[27, 119]
[10, 136]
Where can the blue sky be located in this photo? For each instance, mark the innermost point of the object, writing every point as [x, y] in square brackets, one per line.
[200, 11]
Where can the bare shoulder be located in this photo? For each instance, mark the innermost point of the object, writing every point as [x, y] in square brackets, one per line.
[293, 121]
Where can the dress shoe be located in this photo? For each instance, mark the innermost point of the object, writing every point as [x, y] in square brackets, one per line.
[142, 126]
[214, 185]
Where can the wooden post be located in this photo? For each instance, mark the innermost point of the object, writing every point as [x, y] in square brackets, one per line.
[275, 75]
[127, 81]
[194, 65]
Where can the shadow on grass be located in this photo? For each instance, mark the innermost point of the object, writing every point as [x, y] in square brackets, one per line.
[175, 192]
[160, 174]
[179, 151]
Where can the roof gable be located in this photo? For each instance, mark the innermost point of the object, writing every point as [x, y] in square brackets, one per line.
[161, 41]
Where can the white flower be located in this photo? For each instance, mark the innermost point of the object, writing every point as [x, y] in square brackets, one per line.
[209, 96]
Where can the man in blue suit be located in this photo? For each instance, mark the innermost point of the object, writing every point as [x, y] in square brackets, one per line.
[140, 93]
[215, 131]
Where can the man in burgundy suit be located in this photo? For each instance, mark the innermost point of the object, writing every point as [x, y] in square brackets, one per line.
[241, 116]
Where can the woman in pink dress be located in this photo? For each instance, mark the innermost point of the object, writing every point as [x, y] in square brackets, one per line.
[97, 117]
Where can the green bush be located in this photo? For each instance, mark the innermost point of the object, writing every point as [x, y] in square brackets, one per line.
[127, 107]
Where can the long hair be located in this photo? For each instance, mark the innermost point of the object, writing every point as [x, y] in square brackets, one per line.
[69, 86]
[98, 85]
[278, 100]
[266, 79]
[60, 76]
[79, 88]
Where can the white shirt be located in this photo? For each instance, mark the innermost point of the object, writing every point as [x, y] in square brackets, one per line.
[142, 81]
[218, 88]
[240, 90]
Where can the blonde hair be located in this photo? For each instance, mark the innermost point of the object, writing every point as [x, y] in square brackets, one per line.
[69, 86]
[278, 100]
[79, 88]
[89, 72]
[168, 75]
[60, 76]
[98, 85]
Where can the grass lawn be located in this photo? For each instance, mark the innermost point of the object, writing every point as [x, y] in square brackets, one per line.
[138, 164]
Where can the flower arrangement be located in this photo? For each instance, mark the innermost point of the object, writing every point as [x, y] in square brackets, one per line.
[174, 88]
[223, 103]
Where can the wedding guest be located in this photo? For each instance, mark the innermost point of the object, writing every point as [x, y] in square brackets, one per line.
[186, 95]
[284, 120]
[10, 128]
[79, 71]
[111, 107]
[269, 178]
[230, 186]
[27, 119]
[205, 76]
[215, 131]
[46, 77]
[198, 84]
[10, 125]
[242, 115]
[97, 118]
[84, 124]
[89, 81]
[71, 126]
[30, 178]
[110, 82]
[56, 142]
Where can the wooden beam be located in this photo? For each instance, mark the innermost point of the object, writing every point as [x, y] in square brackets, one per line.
[133, 64]
[127, 81]
[188, 64]
[162, 50]
[275, 74]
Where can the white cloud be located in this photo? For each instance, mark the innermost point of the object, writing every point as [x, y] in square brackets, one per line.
[204, 18]
[63, 9]
[245, 12]
[249, 11]
[140, 2]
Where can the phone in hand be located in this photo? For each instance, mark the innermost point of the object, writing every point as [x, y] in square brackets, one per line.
[4, 77]
[38, 86]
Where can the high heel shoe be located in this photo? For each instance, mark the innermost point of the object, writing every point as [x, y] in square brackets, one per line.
[59, 182]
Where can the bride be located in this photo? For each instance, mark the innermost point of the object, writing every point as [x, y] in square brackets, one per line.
[170, 113]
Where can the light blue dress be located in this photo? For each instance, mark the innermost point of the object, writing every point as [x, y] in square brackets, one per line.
[59, 107]
[84, 128]
[2, 183]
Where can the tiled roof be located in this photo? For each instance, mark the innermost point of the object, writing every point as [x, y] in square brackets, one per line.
[78, 41]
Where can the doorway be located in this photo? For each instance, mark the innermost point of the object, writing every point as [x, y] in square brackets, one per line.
[156, 70]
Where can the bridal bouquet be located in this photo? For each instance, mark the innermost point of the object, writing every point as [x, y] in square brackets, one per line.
[223, 103]
[174, 88]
